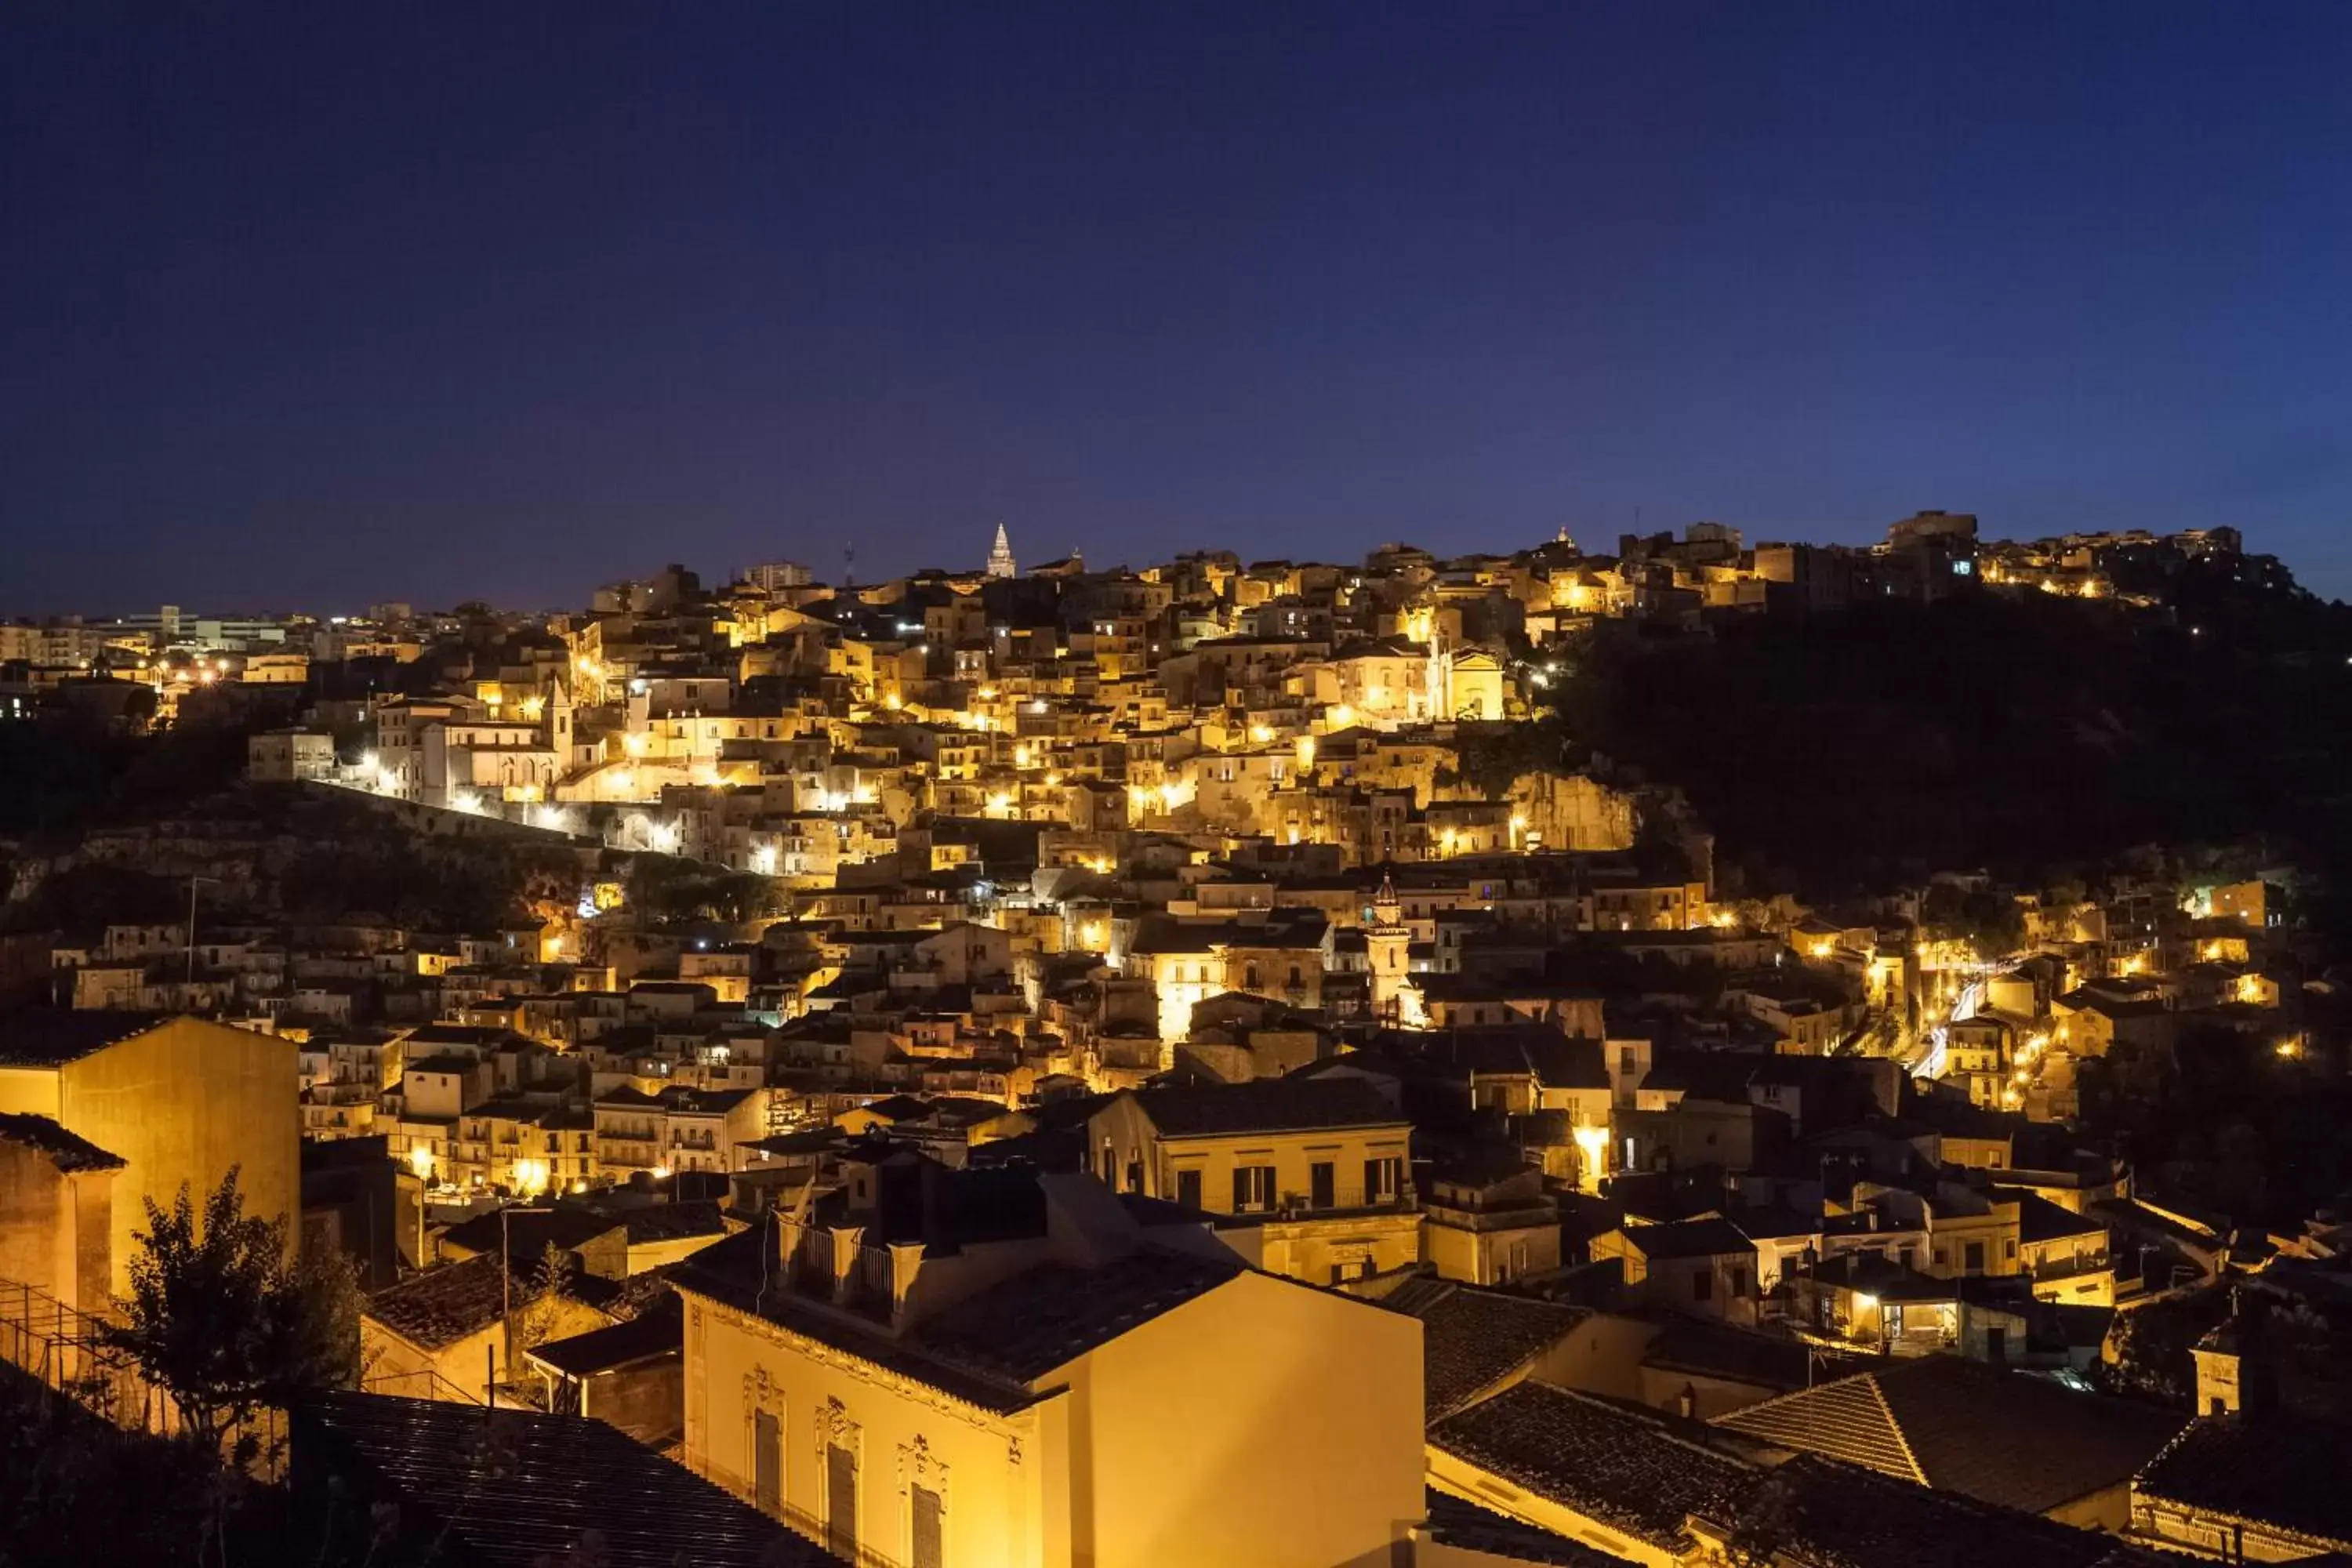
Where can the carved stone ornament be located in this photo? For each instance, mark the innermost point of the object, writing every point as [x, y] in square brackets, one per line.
[918, 1465]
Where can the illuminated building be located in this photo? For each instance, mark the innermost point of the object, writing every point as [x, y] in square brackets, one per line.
[174, 1100]
[1053, 1387]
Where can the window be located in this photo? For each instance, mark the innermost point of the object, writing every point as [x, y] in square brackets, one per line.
[1249, 975]
[768, 1462]
[926, 1547]
[1976, 1257]
[1322, 1185]
[1702, 1286]
[841, 1502]
[1135, 1175]
[1383, 1179]
[2009, 1248]
[1739, 1282]
[1253, 1188]
[1188, 1188]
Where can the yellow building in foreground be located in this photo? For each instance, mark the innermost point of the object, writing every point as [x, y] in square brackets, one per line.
[1053, 1387]
[175, 1099]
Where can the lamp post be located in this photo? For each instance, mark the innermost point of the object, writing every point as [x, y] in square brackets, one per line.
[215, 881]
[506, 1292]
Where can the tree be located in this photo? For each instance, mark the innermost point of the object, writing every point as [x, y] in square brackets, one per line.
[225, 1322]
[551, 1284]
[2147, 1355]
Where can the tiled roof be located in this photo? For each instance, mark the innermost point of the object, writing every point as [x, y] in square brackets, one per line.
[442, 1306]
[657, 1332]
[1267, 1105]
[1842, 1517]
[1768, 1221]
[647, 1290]
[52, 1036]
[1050, 1315]
[526, 1234]
[1688, 1238]
[66, 1151]
[513, 1487]
[1464, 1526]
[481, 1035]
[448, 1062]
[2038, 1219]
[672, 1222]
[2006, 1438]
[1846, 1420]
[1162, 934]
[1472, 1339]
[983, 1352]
[1697, 1347]
[704, 1102]
[2272, 1467]
[1511, 1050]
[1481, 1165]
[1615, 1465]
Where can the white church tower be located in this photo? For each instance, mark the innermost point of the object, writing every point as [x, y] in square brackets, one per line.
[1000, 556]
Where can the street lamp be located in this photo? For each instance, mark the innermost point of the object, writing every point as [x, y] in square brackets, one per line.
[505, 1292]
[215, 881]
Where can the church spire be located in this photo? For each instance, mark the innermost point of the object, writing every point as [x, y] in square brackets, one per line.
[1000, 556]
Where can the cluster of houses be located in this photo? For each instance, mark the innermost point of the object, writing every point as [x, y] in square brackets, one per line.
[1143, 1068]
[1314, 1317]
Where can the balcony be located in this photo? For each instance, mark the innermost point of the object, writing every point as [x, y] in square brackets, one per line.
[1346, 1201]
[2052, 1269]
[1509, 1217]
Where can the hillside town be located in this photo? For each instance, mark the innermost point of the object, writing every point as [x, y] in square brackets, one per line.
[1194, 1064]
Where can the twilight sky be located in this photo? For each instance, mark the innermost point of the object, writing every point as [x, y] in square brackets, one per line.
[303, 306]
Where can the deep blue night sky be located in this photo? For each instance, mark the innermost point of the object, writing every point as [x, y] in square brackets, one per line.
[306, 308]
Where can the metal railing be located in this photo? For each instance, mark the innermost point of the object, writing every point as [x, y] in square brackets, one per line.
[419, 1383]
[66, 1350]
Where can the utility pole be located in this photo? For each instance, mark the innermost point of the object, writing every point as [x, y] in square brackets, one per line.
[506, 1295]
[192, 922]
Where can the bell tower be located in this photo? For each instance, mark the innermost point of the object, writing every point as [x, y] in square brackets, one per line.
[1388, 943]
[558, 723]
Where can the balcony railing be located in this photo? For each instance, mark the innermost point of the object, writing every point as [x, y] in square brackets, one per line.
[1345, 1200]
[1518, 1216]
[67, 1351]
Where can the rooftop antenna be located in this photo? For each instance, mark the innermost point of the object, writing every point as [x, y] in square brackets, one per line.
[849, 565]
